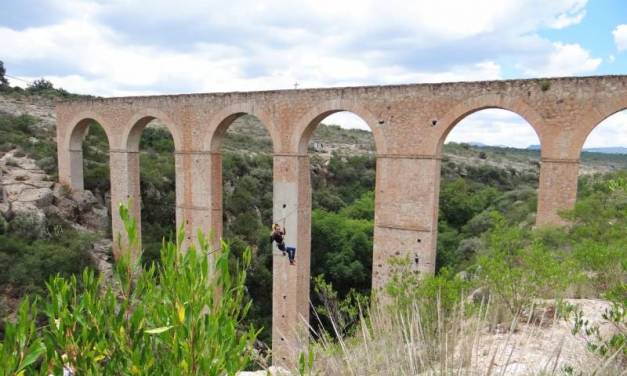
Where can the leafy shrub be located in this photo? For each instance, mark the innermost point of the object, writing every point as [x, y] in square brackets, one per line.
[28, 225]
[615, 344]
[175, 317]
[407, 288]
[40, 85]
[25, 265]
[4, 83]
[518, 269]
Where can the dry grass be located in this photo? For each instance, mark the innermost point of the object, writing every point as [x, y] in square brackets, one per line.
[424, 340]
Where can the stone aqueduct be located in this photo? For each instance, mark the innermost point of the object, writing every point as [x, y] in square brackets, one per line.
[409, 124]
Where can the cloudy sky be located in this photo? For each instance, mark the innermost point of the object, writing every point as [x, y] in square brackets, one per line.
[124, 47]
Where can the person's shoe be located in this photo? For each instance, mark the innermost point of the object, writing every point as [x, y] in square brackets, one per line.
[292, 262]
[284, 253]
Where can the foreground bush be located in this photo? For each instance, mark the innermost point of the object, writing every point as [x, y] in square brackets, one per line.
[175, 317]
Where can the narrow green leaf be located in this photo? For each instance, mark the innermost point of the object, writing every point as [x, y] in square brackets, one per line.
[158, 330]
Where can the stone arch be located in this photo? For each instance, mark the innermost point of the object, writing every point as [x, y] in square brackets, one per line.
[139, 120]
[599, 113]
[224, 118]
[71, 148]
[472, 105]
[307, 124]
[77, 128]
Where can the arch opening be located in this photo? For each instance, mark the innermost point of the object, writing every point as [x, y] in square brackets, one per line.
[96, 166]
[603, 155]
[151, 140]
[605, 147]
[489, 169]
[242, 161]
[342, 164]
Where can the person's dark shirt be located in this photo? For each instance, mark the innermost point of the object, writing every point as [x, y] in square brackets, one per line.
[277, 236]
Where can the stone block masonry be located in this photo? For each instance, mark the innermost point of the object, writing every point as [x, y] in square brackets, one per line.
[409, 124]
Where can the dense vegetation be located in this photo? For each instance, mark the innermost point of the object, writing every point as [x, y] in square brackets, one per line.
[162, 320]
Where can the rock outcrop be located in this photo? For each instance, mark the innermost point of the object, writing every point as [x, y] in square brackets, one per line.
[31, 203]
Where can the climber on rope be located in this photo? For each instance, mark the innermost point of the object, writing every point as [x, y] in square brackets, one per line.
[277, 236]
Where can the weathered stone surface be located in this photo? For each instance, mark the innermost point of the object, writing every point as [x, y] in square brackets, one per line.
[27, 195]
[102, 257]
[40, 197]
[529, 349]
[95, 219]
[409, 124]
[84, 199]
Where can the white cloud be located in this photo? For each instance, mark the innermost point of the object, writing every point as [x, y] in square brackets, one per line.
[564, 60]
[494, 127]
[346, 119]
[570, 17]
[255, 45]
[610, 132]
[620, 37]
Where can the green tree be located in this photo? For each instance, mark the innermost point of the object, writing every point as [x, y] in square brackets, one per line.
[40, 85]
[4, 83]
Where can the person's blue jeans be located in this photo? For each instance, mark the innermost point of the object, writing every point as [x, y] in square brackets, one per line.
[291, 253]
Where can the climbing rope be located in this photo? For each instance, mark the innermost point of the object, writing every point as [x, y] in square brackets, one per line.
[283, 218]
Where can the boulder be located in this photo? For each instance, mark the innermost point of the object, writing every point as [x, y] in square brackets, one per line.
[95, 219]
[40, 197]
[84, 199]
[68, 208]
[60, 191]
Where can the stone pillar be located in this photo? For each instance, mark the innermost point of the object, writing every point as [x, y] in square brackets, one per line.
[124, 167]
[70, 158]
[557, 190]
[199, 204]
[406, 213]
[184, 206]
[72, 175]
[290, 285]
[215, 199]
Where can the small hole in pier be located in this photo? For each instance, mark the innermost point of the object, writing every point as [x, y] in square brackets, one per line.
[419, 240]
[381, 122]
[434, 122]
[284, 206]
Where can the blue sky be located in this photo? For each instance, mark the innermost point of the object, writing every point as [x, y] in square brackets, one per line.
[123, 47]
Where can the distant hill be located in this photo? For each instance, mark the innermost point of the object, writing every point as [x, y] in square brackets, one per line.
[605, 150]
